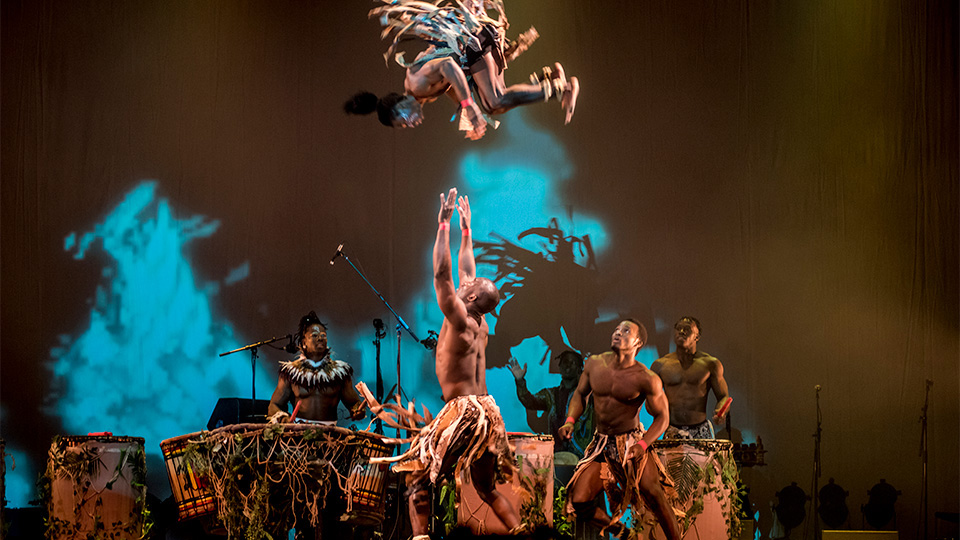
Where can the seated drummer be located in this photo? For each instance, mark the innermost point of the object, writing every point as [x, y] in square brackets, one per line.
[314, 383]
[688, 375]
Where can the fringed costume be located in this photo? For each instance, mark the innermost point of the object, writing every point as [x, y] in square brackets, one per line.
[462, 30]
[464, 429]
[620, 475]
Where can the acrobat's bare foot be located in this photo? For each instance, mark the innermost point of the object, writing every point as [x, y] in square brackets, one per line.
[569, 99]
[558, 73]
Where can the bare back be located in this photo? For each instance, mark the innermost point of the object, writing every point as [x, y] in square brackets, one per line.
[686, 386]
[426, 82]
[618, 392]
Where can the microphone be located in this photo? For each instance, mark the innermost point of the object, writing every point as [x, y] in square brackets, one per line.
[290, 347]
[929, 383]
[337, 254]
[817, 387]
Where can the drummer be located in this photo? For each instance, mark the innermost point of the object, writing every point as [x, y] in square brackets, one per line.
[313, 382]
[688, 375]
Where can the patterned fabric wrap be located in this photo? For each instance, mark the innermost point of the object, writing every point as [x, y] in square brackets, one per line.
[304, 374]
[703, 430]
[452, 26]
[462, 431]
[621, 476]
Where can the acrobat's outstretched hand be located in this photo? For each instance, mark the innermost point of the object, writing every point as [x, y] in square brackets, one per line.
[471, 120]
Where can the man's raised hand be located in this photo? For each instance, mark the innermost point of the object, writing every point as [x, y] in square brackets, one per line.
[447, 206]
[518, 372]
[463, 207]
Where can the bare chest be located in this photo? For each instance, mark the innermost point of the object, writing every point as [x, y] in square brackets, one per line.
[321, 392]
[674, 374]
[622, 385]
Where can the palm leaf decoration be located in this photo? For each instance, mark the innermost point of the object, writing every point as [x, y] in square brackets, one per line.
[686, 474]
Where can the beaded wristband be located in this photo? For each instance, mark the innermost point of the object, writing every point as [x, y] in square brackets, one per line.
[444, 226]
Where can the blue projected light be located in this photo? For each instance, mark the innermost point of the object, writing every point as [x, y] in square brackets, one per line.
[19, 476]
[146, 363]
[513, 188]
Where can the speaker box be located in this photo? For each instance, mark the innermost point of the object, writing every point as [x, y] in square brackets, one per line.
[231, 411]
[860, 535]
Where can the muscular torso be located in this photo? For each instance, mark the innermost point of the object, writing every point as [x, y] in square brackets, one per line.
[461, 359]
[686, 385]
[618, 392]
[318, 403]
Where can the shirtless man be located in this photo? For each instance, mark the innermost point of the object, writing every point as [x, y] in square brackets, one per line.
[430, 76]
[467, 437]
[314, 382]
[620, 385]
[688, 375]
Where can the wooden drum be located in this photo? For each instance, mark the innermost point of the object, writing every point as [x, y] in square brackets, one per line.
[531, 492]
[190, 490]
[705, 476]
[272, 477]
[367, 482]
[96, 487]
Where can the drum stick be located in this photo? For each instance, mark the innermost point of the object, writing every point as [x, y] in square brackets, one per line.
[295, 409]
[726, 407]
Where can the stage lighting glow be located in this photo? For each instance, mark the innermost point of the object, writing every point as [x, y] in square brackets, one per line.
[513, 186]
[146, 363]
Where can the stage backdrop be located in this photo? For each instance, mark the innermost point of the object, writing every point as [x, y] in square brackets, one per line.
[177, 175]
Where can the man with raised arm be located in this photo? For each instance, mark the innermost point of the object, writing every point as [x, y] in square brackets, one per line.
[554, 401]
[467, 437]
[617, 460]
[688, 376]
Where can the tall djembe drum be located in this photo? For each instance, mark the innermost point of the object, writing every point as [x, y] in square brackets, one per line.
[96, 487]
[705, 477]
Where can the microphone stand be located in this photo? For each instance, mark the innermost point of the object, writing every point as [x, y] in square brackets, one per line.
[253, 363]
[428, 343]
[379, 333]
[923, 457]
[816, 469]
[402, 322]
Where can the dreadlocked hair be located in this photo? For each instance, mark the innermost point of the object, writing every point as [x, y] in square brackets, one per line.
[366, 102]
[306, 322]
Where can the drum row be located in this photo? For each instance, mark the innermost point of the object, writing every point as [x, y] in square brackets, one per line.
[331, 460]
[96, 484]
